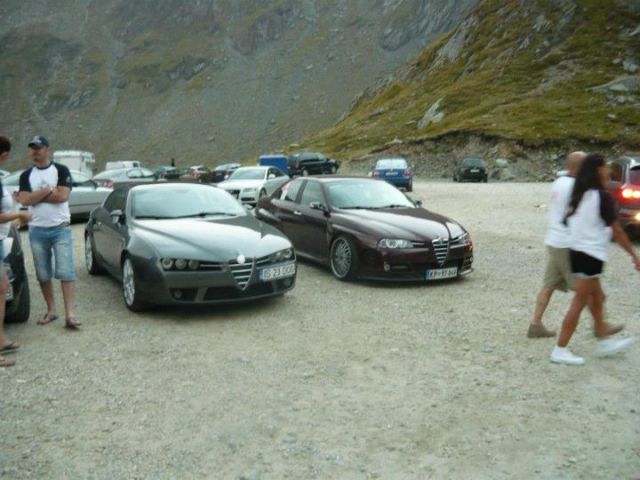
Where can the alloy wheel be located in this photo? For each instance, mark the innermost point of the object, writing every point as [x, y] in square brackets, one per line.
[341, 258]
[88, 253]
[128, 283]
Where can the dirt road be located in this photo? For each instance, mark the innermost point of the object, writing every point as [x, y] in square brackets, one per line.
[335, 381]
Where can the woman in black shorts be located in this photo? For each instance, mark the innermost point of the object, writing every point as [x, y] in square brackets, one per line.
[592, 223]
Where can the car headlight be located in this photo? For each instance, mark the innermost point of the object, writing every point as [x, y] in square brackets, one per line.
[248, 190]
[394, 243]
[179, 264]
[167, 263]
[283, 255]
[463, 239]
[194, 265]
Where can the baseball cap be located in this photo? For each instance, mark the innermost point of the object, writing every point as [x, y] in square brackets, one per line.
[38, 142]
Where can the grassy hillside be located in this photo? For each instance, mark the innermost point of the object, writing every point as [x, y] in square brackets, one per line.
[523, 71]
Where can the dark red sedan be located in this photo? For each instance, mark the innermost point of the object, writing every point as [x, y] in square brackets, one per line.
[365, 228]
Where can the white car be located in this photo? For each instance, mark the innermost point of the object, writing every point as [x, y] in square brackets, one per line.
[250, 184]
[85, 194]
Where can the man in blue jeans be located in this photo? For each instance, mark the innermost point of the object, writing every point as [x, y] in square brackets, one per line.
[45, 189]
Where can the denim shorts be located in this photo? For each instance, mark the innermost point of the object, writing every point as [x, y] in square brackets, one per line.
[50, 242]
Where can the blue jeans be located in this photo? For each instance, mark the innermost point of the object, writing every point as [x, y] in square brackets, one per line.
[50, 242]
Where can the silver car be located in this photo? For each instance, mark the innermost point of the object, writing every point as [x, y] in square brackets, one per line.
[85, 194]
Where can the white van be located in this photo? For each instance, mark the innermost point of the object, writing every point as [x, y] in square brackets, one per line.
[76, 160]
[123, 164]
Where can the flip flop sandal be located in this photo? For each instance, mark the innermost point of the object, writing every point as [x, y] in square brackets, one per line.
[47, 319]
[72, 324]
[7, 363]
[10, 347]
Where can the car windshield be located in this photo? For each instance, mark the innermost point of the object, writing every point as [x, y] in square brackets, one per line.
[391, 163]
[473, 162]
[110, 174]
[184, 201]
[248, 174]
[366, 194]
[634, 176]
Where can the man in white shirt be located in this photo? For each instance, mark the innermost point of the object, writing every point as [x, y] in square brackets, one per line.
[557, 274]
[45, 189]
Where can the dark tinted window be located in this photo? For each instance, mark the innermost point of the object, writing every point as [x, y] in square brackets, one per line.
[290, 191]
[312, 193]
[117, 200]
[634, 176]
[473, 163]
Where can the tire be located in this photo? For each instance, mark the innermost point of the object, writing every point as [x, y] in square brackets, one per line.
[455, 179]
[410, 187]
[344, 259]
[130, 293]
[23, 309]
[486, 179]
[90, 260]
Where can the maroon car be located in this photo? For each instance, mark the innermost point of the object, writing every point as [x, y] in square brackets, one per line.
[365, 228]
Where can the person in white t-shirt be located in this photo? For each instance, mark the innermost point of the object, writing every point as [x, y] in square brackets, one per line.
[7, 215]
[592, 223]
[557, 275]
[45, 189]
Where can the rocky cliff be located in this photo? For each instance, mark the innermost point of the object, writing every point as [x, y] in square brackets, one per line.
[202, 80]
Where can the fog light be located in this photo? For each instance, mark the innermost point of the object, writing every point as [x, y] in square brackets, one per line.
[387, 267]
[177, 294]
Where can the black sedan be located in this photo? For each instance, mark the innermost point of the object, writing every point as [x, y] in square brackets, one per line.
[472, 169]
[177, 244]
[366, 228]
[18, 301]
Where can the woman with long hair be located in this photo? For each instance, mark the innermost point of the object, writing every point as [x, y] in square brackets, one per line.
[592, 223]
[7, 215]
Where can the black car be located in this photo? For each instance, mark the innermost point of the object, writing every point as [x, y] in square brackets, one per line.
[311, 163]
[624, 186]
[180, 244]
[224, 171]
[472, 169]
[18, 307]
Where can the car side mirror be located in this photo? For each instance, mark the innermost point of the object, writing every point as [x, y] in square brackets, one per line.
[271, 176]
[117, 216]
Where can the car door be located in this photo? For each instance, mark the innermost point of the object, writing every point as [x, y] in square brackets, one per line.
[311, 229]
[85, 195]
[109, 235]
[284, 208]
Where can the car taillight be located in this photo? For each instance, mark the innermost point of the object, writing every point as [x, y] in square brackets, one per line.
[407, 173]
[376, 173]
[296, 165]
[107, 183]
[630, 193]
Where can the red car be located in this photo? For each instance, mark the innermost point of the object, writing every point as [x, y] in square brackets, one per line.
[366, 228]
[624, 185]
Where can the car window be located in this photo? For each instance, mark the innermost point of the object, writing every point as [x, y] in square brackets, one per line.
[81, 180]
[116, 201]
[276, 172]
[473, 163]
[290, 191]
[312, 193]
[367, 194]
[615, 172]
[391, 163]
[248, 173]
[634, 176]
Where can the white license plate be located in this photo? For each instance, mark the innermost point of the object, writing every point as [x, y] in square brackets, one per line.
[390, 174]
[275, 273]
[442, 273]
[475, 170]
[10, 293]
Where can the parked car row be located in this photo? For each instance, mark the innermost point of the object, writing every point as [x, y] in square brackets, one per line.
[624, 186]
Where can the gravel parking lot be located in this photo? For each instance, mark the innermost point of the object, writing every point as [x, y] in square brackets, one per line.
[344, 381]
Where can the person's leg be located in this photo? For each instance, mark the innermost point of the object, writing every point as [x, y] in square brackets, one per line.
[601, 328]
[65, 272]
[41, 251]
[536, 327]
[553, 280]
[585, 287]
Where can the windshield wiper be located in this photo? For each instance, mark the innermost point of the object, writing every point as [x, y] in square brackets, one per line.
[152, 217]
[395, 206]
[207, 214]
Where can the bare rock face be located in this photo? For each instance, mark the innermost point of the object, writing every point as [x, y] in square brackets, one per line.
[433, 115]
[150, 78]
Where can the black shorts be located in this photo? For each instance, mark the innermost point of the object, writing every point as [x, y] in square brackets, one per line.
[585, 266]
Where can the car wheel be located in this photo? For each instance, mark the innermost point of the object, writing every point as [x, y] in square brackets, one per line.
[344, 259]
[410, 187]
[129, 290]
[333, 170]
[23, 309]
[455, 179]
[90, 260]
[486, 179]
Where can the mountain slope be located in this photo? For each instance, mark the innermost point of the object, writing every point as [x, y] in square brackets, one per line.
[531, 73]
[202, 81]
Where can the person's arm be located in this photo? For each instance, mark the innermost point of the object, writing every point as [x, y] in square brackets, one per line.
[622, 239]
[29, 199]
[58, 195]
[24, 217]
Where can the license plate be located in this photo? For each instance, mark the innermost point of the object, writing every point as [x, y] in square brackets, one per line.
[442, 273]
[475, 170]
[10, 293]
[390, 174]
[275, 273]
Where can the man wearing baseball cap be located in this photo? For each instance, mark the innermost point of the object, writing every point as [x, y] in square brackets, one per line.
[45, 189]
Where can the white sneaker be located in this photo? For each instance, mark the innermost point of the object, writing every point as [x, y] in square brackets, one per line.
[611, 346]
[564, 355]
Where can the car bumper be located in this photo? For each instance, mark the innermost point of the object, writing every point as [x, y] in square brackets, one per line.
[477, 177]
[399, 181]
[629, 216]
[159, 287]
[412, 265]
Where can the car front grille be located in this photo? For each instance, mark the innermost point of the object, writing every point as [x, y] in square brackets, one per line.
[441, 249]
[242, 272]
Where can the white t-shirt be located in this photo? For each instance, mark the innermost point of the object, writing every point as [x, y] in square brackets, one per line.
[558, 233]
[590, 226]
[7, 207]
[34, 178]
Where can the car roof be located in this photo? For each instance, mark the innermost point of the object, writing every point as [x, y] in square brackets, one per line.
[163, 185]
[337, 178]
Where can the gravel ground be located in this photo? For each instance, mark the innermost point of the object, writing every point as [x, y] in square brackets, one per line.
[344, 381]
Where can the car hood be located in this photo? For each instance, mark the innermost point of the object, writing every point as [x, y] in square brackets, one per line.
[214, 240]
[416, 224]
[239, 184]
